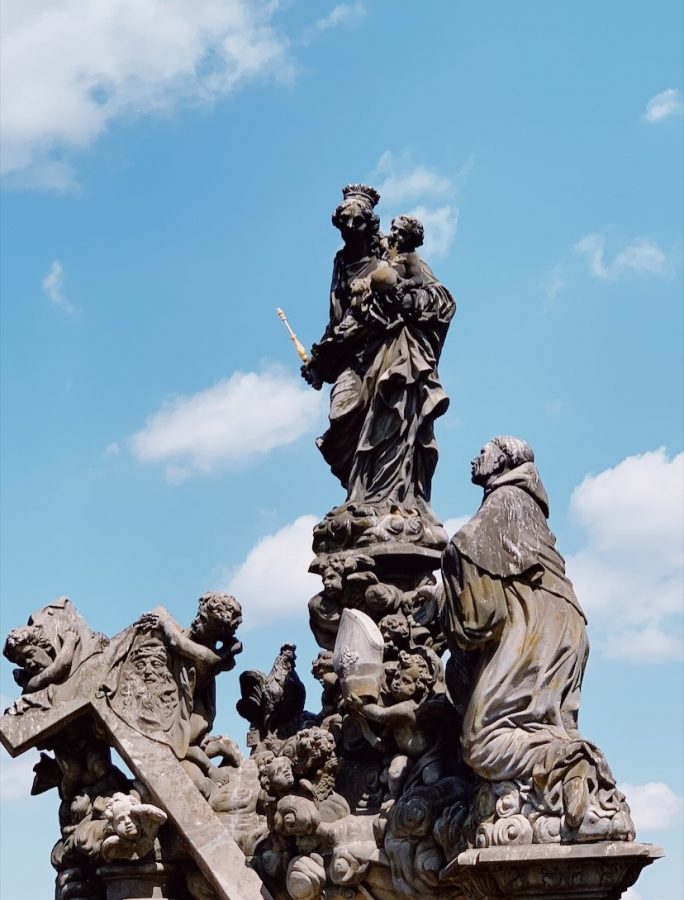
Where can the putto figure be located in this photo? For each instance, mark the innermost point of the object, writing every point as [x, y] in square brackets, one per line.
[388, 321]
[48, 650]
[511, 607]
[163, 682]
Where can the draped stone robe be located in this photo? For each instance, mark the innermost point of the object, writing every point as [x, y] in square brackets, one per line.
[386, 393]
[508, 599]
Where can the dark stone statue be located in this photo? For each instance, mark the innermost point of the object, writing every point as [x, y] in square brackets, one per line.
[389, 318]
[510, 607]
[415, 779]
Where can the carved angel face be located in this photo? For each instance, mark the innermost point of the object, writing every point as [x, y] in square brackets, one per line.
[276, 777]
[332, 578]
[399, 236]
[27, 647]
[124, 825]
[120, 818]
[404, 684]
[34, 658]
[406, 233]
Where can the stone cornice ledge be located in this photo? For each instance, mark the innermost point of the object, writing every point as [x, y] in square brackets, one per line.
[600, 871]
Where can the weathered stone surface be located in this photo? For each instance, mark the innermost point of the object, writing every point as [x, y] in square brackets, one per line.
[153, 665]
[516, 627]
[219, 858]
[357, 659]
[601, 871]
[413, 780]
[389, 318]
[145, 880]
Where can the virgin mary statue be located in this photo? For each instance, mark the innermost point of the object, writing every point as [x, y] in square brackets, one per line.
[389, 318]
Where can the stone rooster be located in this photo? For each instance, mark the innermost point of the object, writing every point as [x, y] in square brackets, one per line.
[273, 703]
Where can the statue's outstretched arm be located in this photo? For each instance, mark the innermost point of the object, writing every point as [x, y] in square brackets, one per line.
[58, 669]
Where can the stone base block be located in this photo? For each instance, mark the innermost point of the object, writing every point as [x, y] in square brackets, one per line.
[135, 881]
[601, 871]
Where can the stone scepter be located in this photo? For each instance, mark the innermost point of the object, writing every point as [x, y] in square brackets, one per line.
[299, 347]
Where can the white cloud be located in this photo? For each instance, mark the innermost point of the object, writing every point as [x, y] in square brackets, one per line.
[53, 287]
[641, 257]
[342, 14]
[403, 181]
[237, 420]
[72, 67]
[629, 577]
[273, 582]
[654, 805]
[662, 106]
[440, 229]
[16, 776]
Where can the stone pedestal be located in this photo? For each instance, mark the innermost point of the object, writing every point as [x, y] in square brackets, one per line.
[601, 871]
[135, 881]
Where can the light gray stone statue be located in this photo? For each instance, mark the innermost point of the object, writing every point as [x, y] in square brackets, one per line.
[510, 606]
[48, 650]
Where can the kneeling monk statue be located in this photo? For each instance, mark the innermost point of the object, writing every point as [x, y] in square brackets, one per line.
[514, 623]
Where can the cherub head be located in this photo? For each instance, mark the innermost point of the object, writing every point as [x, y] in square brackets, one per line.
[395, 630]
[119, 812]
[337, 569]
[218, 616]
[406, 234]
[412, 678]
[276, 776]
[28, 647]
[332, 576]
[322, 667]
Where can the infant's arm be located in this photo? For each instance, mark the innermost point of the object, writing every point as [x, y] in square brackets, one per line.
[403, 713]
[413, 271]
[58, 668]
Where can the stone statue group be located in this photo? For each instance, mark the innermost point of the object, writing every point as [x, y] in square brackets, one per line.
[410, 763]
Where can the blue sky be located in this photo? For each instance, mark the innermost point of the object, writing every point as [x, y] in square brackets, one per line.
[169, 171]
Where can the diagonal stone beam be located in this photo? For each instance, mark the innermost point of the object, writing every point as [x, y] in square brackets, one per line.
[213, 849]
[19, 733]
[220, 859]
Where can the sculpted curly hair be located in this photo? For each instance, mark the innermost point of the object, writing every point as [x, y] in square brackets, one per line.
[24, 636]
[426, 677]
[222, 610]
[413, 228]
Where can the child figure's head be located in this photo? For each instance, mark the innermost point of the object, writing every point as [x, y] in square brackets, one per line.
[277, 777]
[28, 647]
[120, 815]
[412, 679]
[406, 234]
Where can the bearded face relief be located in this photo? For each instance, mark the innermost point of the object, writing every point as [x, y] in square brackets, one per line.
[147, 680]
[152, 691]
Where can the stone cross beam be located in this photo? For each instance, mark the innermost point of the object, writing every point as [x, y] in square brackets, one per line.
[213, 849]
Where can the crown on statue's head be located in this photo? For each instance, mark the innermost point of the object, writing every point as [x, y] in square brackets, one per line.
[361, 192]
